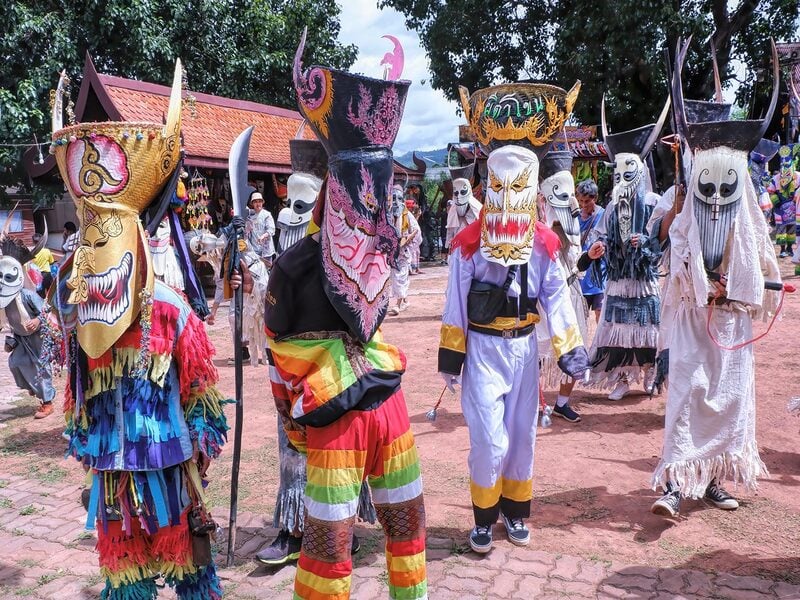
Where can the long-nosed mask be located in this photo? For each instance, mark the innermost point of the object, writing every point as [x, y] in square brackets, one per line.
[561, 205]
[509, 212]
[113, 171]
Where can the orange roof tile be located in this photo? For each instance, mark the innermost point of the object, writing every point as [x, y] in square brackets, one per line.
[209, 135]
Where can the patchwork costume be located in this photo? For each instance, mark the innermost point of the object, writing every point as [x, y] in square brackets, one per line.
[720, 235]
[336, 383]
[511, 256]
[784, 191]
[141, 405]
[310, 166]
[625, 343]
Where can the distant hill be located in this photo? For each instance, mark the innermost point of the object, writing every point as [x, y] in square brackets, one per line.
[432, 157]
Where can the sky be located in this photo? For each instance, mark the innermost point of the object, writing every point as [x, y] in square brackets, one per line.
[429, 120]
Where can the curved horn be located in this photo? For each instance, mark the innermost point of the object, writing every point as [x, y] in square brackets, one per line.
[604, 126]
[717, 82]
[299, 134]
[656, 133]
[297, 66]
[572, 97]
[419, 163]
[775, 90]
[463, 94]
[677, 89]
[7, 224]
[42, 242]
[57, 117]
[173, 124]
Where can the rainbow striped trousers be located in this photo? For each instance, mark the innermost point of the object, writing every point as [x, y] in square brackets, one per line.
[377, 445]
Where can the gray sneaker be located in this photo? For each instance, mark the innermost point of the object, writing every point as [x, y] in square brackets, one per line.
[669, 505]
[720, 498]
[480, 539]
[518, 533]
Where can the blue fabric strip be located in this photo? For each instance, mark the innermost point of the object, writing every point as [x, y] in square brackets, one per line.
[158, 498]
[94, 499]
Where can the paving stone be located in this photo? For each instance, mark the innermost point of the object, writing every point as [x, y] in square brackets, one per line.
[744, 583]
[786, 591]
[460, 584]
[698, 584]
[434, 542]
[531, 586]
[572, 589]
[567, 567]
[611, 591]
[505, 586]
[670, 581]
[732, 594]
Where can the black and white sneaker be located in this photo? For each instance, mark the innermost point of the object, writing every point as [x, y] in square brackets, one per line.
[518, 533]
[480, 539]
[669, 505]
[720, 498]
[566, 412]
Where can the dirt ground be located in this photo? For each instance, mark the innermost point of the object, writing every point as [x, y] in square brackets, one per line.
[592, 480]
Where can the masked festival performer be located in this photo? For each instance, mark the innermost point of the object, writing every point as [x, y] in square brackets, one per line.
[625, 343]
[141, 405]
[784, 191]
[165, 263]
[558, 209]
[410, 235]
[721, 259]
[465, 208]
[336, 382]
[309, 166]
[758, 166]
[21, 312]
[500, 267]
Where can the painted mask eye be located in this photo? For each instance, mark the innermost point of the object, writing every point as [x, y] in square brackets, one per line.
[521, 181]
[494, 183]
[726, 190]
[706, 189]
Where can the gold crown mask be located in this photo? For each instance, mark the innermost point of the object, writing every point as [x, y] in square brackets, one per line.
[113, 171]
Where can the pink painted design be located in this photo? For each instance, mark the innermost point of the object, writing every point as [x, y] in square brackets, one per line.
[354, 264]
[312, 89]
[379, 125]
[96, 166]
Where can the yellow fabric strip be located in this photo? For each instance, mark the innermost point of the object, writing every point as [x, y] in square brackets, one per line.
[337, 459]
[484, 497]
[334, 477]
[323, 585]
[406, 564]
[570, 340]
[453, 338]
[507, 323]
[518, 491]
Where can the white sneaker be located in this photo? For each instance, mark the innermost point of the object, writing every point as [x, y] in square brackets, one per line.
[394, 311]
[619, 391]
[404, 305]
[649, 381]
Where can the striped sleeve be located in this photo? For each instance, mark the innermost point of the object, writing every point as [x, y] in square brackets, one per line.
[453, 340]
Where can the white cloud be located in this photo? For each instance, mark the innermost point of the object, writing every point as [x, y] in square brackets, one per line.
[429, 120]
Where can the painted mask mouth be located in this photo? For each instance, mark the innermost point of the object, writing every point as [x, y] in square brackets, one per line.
[514, 231]
[109, 295]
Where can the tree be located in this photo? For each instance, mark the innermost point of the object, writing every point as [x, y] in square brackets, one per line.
[241, 49]
[612, 47]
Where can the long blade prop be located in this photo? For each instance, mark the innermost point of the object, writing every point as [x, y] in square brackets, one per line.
[237, 169]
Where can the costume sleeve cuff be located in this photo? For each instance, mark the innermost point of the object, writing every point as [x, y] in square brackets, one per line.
[450, 361]
[205, 418]
[574, 362]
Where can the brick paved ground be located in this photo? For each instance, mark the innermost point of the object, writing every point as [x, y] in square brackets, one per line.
[45, 553]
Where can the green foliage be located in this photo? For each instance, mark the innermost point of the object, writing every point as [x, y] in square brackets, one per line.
[613, 47]
[240, 49]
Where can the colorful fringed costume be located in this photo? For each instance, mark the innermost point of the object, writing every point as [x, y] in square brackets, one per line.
[784, 191]
[335, 382]
[141, 405]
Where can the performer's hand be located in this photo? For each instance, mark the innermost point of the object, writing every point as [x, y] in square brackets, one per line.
[200, 459]
[236, 280]
[451, 381]
[31, 325]
[211, 318]
[597, 250]
[720, 289]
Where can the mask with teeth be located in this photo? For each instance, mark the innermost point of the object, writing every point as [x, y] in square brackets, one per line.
[558, 190]
[113, 171]
[509, 212]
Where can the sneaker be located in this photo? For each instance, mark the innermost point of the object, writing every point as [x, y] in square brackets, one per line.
[619, 391]
[720, 498]
[286, 547]
[669, 505]
[404, 305]
[355, 546]
[45, 410]
[783, 254]
[245, 357]
[566, 412]
[480, 539]
[649, 381]
[394, 311]
[518, 533]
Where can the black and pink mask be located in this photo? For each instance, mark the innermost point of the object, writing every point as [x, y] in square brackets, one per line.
[356, 118]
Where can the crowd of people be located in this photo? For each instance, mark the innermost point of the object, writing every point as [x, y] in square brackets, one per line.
[671, 283]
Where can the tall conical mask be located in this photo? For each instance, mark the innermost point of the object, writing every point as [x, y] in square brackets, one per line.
[356, 118]
[113, 171]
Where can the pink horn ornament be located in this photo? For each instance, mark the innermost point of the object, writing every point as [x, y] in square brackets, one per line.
[393, 61]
